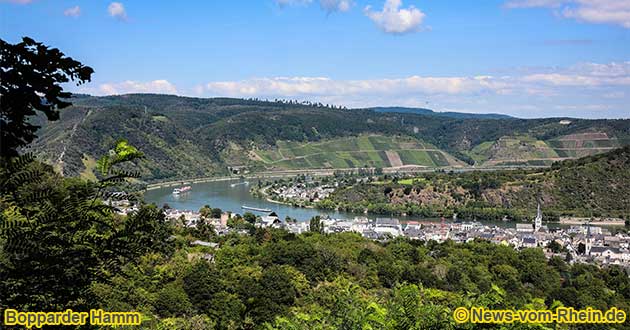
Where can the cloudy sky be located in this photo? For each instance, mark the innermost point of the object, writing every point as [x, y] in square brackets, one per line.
[528, 58]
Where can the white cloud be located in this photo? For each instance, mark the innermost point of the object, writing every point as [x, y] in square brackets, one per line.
[117, 10]
[616, 12]
[545, 89]
[586, 75]
[130, 86]
[586, 90]
[608, 12]
[73, 11]
[615, 95]
[321, 86]
[588, 107]
[574, 80]
[396, 20]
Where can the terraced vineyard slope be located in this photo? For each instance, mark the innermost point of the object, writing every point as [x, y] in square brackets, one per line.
[354, 152]
[528, 151]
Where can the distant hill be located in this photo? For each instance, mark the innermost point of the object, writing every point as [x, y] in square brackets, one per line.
[193, 137]
[429, 112]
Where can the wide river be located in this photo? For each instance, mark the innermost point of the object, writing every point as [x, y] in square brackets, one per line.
[231, 195]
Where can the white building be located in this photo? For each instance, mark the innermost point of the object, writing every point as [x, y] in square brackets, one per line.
[270, 220]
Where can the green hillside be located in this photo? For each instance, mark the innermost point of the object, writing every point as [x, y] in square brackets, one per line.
[193, 137]
[590, 186]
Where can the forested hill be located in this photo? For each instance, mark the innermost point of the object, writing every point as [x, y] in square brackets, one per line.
[599, 184]
[429, 112]
[192, 137]
[594, 186]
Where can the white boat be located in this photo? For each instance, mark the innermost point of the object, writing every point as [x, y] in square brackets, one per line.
[181, 190]
[255, 209]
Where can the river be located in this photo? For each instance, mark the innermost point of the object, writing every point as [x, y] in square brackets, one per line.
[231, 195]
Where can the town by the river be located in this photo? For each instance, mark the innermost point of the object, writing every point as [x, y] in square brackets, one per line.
[581, 242]
[232, 195]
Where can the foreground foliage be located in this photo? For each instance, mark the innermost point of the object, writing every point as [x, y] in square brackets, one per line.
[57, 236]
[276, 280]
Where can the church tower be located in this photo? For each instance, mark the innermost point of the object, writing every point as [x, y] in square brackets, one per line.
[538, 220]
[589, 240]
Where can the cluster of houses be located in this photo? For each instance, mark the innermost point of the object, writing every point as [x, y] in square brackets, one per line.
[584, 243]
[187, 218]
[578, 243]
[301, 192]
[122, 206]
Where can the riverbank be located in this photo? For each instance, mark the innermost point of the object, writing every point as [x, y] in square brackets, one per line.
[263, 193]
[223, 194]
[260, 175]
[173, 183]
[327, 172]
[595, 222]
[228, 197]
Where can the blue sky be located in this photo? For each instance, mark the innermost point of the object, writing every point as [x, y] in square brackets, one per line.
[529, 58]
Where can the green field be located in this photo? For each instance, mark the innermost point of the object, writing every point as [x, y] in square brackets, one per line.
[354, 152]
[412, 181]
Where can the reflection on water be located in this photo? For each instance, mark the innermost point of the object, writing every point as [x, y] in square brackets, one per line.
[231, 195]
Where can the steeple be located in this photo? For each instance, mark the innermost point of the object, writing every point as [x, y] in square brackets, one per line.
[538, 220]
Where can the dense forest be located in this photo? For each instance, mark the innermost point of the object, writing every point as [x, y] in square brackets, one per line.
[192, 137]
[275, 280]
[594, 186]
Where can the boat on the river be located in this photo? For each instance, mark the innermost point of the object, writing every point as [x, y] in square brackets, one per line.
[255, 209]
[181, 190]
[240, 183]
